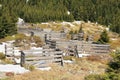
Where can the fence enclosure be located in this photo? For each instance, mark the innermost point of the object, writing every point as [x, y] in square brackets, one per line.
[41, 58]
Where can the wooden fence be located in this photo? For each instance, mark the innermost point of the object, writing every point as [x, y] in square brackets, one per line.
[82, 47]
[100, 48]
[43, 59]
[40, 33]
[9, 50]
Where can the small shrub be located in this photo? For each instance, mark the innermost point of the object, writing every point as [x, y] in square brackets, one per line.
[114, 76]
[104, 38]
[31, 68]
[2, 56]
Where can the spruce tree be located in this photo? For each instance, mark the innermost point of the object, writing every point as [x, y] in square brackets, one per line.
[104, 38]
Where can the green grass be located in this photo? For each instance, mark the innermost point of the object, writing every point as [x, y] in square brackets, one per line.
[5, 78]
[8, 38]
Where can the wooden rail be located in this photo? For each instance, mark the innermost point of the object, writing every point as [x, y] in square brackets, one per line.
[51, 56]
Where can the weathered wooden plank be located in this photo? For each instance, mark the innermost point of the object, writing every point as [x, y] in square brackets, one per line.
[38, 65]
[57, 55]
[56, 52]
[57, 60]
[44, 54]
[101, 50]
[35, 55]
[39, 62]
[25, 51]
[39, 58]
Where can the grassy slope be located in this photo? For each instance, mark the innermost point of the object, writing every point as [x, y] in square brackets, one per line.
[76, 71]
[89, 28]
[81, 68]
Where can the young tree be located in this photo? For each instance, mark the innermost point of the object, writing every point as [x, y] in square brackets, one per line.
[114, 65]
[112, 72]
[104, 38]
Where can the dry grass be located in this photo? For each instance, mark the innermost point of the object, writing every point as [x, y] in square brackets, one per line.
[102, 58]
[114, 40]
[76, 71]
[115, 43]
[89, 28]
[8, 38]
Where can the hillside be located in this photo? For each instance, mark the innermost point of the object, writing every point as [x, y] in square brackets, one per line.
[89, 28]
[93, 16]
[36, 11]
[80, 67]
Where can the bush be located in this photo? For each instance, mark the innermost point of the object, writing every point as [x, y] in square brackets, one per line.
[31, 68]
[104, 38]
[97, 77]
[114, 76]
[2, 56]
[112, 72]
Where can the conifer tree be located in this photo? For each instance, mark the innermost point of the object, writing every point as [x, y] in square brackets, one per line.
[105, 12]
[104, 38]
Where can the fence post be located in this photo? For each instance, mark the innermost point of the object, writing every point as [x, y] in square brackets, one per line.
[5, 50]
[76, 51]
[22, 62]
[62, 64]
[45, 38]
